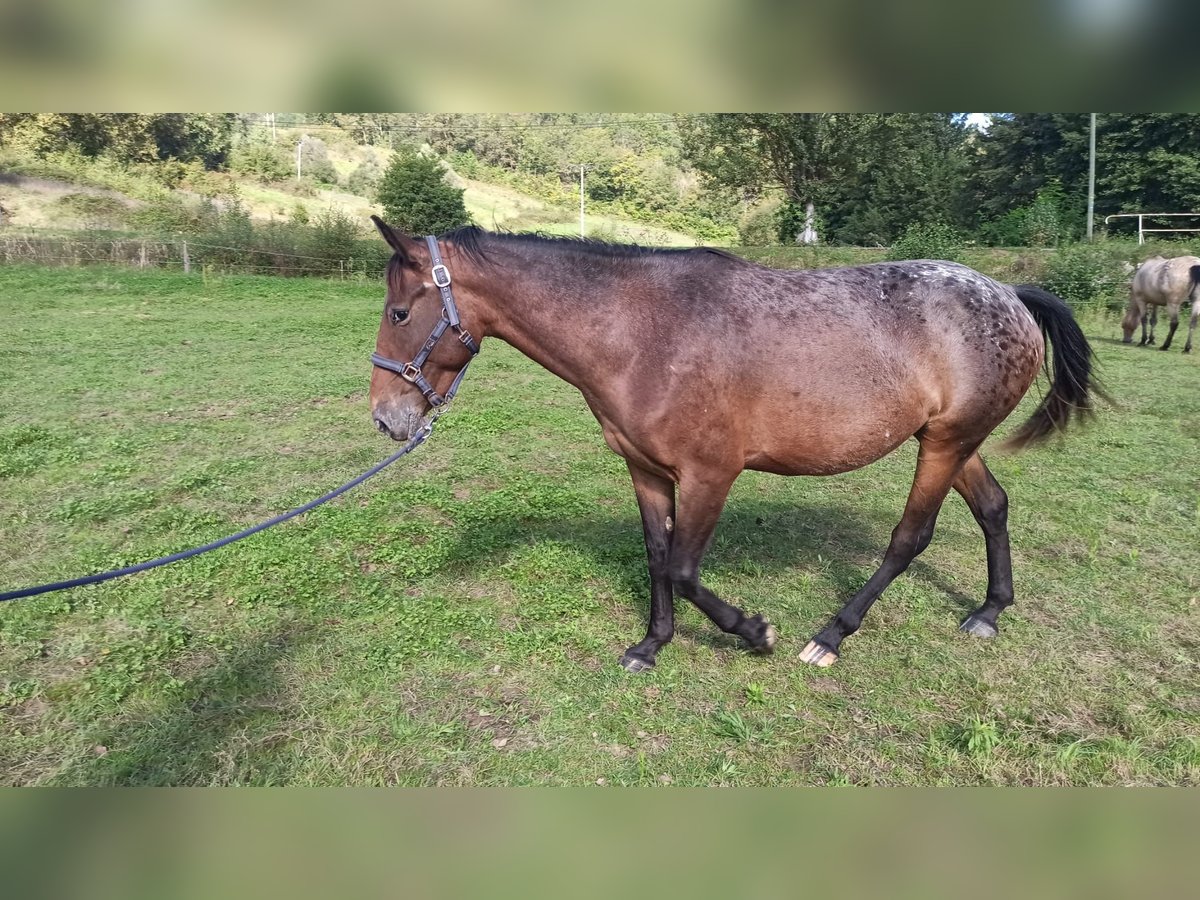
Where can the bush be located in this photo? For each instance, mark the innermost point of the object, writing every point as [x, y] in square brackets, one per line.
[1086, 276]
[314, 162]
[332, 236]
[416, 198]
[171, 215]
[365, 178]
[759, 224]
[94, 212]
[927, 240]
[262, 160]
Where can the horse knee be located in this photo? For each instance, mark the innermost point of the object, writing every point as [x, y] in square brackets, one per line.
[685, 578]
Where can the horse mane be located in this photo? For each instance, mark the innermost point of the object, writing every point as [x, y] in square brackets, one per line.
[476, 243]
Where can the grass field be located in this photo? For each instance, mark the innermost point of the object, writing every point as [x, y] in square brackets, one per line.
[458, 619]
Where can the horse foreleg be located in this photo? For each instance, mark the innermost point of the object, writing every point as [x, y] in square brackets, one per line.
[989, 506]
[1153, 322]
[656, 501]
[937, 466]
[1174, 310]
[701, 499]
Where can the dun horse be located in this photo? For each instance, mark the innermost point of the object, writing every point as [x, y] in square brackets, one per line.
[699, 364]
[1162, 282]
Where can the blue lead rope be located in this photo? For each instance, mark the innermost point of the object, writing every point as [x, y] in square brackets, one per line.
[413, 444]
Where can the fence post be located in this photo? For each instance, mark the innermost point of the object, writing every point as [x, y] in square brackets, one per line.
[187, 262]
[142, 256]
[342, 269]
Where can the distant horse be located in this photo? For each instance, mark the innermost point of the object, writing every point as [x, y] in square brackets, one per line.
[1162, 282]
[699, 364]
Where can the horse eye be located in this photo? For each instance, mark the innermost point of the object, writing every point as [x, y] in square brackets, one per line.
[399, 315]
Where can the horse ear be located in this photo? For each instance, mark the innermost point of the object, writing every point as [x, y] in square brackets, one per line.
[395, 240]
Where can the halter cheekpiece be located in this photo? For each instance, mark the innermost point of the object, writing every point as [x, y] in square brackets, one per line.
[411, 371]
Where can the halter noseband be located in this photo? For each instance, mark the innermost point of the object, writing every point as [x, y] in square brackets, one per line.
[411, 372]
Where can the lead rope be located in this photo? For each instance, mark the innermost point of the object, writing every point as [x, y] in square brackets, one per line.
[417, 440]
[441, 277]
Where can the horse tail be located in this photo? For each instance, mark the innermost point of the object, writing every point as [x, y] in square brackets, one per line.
[1194, 271]
[1073, 382]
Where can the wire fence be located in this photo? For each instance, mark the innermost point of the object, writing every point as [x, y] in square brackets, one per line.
[183, 254]
[192, 255]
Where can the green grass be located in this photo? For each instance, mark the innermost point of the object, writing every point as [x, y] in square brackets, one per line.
[458, 619]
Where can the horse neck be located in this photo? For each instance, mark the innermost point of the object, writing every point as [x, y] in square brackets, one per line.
[556, 311]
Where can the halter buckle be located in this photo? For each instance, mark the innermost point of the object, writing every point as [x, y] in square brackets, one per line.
[440, 272]
[409, 372]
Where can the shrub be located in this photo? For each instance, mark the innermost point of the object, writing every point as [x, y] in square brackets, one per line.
[332, 236]
[416, 198]
[93, 211]
[260, 159]
[170, 214]
[1086, 276]
[927, 240]
[759, 226]
[365, 178]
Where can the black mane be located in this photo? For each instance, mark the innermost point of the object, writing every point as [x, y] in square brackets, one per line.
[475, 243]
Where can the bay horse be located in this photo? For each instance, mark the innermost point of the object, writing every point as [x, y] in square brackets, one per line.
[1162, 282]
[699, 364]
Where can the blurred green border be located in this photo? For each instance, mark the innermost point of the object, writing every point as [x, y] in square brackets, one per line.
[897, 843]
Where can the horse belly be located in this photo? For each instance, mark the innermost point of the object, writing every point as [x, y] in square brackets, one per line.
[825, 441]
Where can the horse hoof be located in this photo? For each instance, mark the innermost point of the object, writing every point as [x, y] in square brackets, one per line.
[818, 655]
[763, 638]
[635, 664]
[979, 627]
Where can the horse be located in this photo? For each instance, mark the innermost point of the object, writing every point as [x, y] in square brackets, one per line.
[1162, 282]
[698, 364]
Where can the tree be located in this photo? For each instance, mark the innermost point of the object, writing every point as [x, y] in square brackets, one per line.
[416, 198]
[1145, 162]
[867, 175]
[126, 137]
[755, 151]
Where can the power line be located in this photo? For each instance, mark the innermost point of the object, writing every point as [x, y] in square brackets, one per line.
[460, 126]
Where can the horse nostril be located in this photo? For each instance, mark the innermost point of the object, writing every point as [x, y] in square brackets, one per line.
[382, 426]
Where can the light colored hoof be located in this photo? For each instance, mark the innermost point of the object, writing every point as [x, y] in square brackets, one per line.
[770, 638]
[816, 655]
[978, 627]
[634, 665]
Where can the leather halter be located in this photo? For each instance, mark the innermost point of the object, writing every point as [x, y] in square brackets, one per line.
[411, 371]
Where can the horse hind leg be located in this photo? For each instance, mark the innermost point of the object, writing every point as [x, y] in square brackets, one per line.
[1174, 310]
[1187, 348]
[701, 499]
[937, 467]
[989, 505]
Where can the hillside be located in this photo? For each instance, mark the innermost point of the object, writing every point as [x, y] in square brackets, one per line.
[61, 203]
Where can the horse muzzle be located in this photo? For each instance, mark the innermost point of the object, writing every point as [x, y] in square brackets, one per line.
[399, 426]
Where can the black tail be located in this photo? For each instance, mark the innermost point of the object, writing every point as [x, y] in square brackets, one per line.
[1073, 384]
[1195, 273]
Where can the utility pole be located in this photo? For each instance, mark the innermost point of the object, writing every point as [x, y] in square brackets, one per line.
[581, 229]
[1091, 177]
[273, 138]
[299, 144]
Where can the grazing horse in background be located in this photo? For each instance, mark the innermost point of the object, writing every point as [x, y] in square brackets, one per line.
[1162, 282]
[699, 364]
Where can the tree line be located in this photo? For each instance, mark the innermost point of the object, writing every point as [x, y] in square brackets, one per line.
[850, 178]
